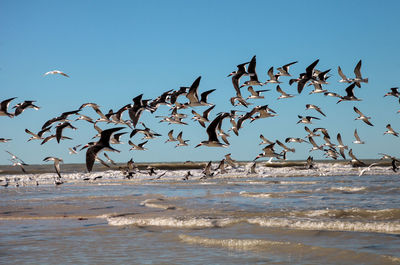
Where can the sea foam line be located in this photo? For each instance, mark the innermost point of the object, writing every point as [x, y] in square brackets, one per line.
[306, 224]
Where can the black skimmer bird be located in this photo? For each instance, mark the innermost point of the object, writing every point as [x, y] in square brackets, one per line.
[135, 111]
[207, 171]
[362, 117]
[306, 119]
[73, 150]
[314, 144]
[310, 133]
[60, 127]
[284, 70]
[386, 156]
[311, 106]
[358, 79]
[55, 72]
[265, 140]
[116, 138]
[230, 161]
[328, 142]
[341, 146]
[269, 151]
[212, 134]
[148, 133]
[174, 95]
[272, 78]
[294, 140]
[263, 112]
[391, 131]
[138, 147]
[221, 167]
[39, 135]
[358, 140]
[4, 140]
[343, 76]
[202, 119]
[109, 159]
[172, 120]
[57, 162]
[251, 69]
[62, 118]
[332, 94]
[317, 89]
[16, 158]
[101, 161]
[350, 95]
[310, 163]
[323, 130]
[355, 162]
[84, 118]
[20, 107]
[236, 75]
[193, 97]
[253, 168]
[394, 92]
[255, 94]
[305, 77]
[181, 141]
[4, 107]
[19, 164]
[187, 175]
[285, 148]
[394, 167]
[283, 93]
[171, 137]
[240, 100]
[103, 143]
[48, 138]
[331, 152]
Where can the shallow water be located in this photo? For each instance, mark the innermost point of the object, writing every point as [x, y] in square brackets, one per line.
[275, 218]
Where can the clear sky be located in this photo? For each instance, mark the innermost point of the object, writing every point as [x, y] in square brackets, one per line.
[116, 50]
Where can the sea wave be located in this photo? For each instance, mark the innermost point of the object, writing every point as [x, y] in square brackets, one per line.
[260, 194]
[383, 214]
[158, 203]
[332, 225]
[294, 251]
[177, 222]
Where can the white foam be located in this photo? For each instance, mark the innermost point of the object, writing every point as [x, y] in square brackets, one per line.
[178, 222]
[348, 189]
[157, 203]
[231, 243]
[307, 224]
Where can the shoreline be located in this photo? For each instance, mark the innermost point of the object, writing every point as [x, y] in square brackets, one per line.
[188, 165]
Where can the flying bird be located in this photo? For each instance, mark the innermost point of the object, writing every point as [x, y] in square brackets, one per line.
[103, 143]
[54, 72]
[391, 131]
[4, 107]
[311, 106]
[56, 161]
[362, 117]
[358, 140]
[284, 70]
[20, 107]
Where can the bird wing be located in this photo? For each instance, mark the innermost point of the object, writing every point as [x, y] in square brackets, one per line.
[357, 70]
[341, 74]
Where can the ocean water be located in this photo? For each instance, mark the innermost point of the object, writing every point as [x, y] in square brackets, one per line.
[287, 215]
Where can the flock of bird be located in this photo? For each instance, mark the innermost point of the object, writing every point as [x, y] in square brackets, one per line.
[217, 137]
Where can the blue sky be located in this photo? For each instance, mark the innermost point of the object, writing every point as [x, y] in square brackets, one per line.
[116, 51]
